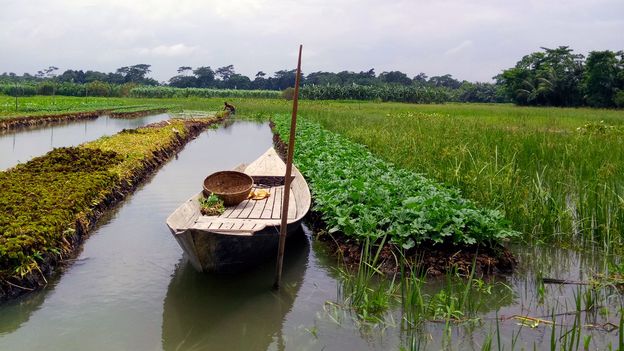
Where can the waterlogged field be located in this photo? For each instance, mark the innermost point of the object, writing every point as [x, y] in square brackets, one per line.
[554, 173]
[362, 197]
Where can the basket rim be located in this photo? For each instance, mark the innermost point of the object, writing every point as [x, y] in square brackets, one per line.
[237, 173]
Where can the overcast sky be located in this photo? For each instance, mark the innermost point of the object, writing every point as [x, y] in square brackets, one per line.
[472, 40]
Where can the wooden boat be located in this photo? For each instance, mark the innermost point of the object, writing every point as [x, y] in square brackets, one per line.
[248, 233]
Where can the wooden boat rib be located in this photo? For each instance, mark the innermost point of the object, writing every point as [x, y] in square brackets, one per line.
[248, 233]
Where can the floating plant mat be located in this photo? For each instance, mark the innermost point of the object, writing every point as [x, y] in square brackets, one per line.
[48, 202]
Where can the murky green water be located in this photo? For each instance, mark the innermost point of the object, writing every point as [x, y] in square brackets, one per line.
[132, 289]
[21, 146]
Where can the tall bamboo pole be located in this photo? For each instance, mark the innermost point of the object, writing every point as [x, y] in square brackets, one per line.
[287, 179]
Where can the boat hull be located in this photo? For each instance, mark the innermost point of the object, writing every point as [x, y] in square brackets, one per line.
[230, 253]
[246, 234]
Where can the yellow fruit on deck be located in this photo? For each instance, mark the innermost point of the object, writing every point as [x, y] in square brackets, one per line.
[258, 194]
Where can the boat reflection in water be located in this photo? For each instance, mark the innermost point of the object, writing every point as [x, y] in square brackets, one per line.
[232, 312]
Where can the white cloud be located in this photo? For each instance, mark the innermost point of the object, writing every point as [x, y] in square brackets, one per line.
[168, 50]
[466, 44]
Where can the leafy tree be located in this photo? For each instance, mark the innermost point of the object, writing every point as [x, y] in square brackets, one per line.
[420, 79]
[445, 81]
[260, 82]
[183, 69]
[225, 72]
[284, 79]
[395, 77]
[47, 88]
[552, 77]
[115, 78]
[237, 81]
[72, 76]
[322, 78]
[183, 81]
[560, 77]
[601, 78]
[205, 77]
[136, 74]
[92, 76]
[478, 92]
[97, 88]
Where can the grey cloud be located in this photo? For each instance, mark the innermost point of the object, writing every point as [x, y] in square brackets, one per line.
[472, 40]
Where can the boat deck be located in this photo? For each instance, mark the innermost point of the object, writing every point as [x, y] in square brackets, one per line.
[268, 208]
[250, 215]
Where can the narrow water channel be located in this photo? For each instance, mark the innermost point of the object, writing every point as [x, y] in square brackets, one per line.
[21, 146]
[132, 289]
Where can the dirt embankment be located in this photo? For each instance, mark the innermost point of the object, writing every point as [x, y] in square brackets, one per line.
[25, 122]
[432, 260]
[36, 279]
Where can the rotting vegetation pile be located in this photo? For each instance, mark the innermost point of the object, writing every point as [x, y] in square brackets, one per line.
[359, 196]
[49, 203]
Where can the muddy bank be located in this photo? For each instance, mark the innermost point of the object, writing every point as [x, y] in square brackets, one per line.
[24, 122]
[432, 260]
[429, 260]
[69, 246]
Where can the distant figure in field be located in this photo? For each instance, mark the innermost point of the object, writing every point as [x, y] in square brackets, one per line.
[229, 107]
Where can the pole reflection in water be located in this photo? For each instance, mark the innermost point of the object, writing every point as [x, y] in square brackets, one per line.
[232, 312]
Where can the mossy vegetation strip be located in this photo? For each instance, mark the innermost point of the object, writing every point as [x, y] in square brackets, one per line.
[50, 202]
[364, 197]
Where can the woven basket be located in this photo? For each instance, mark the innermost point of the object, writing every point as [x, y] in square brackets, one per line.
[230, 186]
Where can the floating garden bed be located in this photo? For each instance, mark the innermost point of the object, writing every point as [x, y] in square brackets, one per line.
[48, 204]
[360, 197]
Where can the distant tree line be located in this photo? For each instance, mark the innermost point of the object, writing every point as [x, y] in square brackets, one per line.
[551, 77]
[387, 86]
[559, 77]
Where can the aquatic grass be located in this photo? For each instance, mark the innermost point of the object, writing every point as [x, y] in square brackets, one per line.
[548, 169]
[365, 290]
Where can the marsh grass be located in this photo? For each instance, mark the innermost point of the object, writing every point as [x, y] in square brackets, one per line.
[444, 313]
[364, 289]
[554, 174]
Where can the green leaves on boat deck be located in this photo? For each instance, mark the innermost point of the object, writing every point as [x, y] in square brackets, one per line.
[363, 196]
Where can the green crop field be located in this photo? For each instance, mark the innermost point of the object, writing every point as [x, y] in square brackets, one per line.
[48, 105]
[364, 197]
[554, 172]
